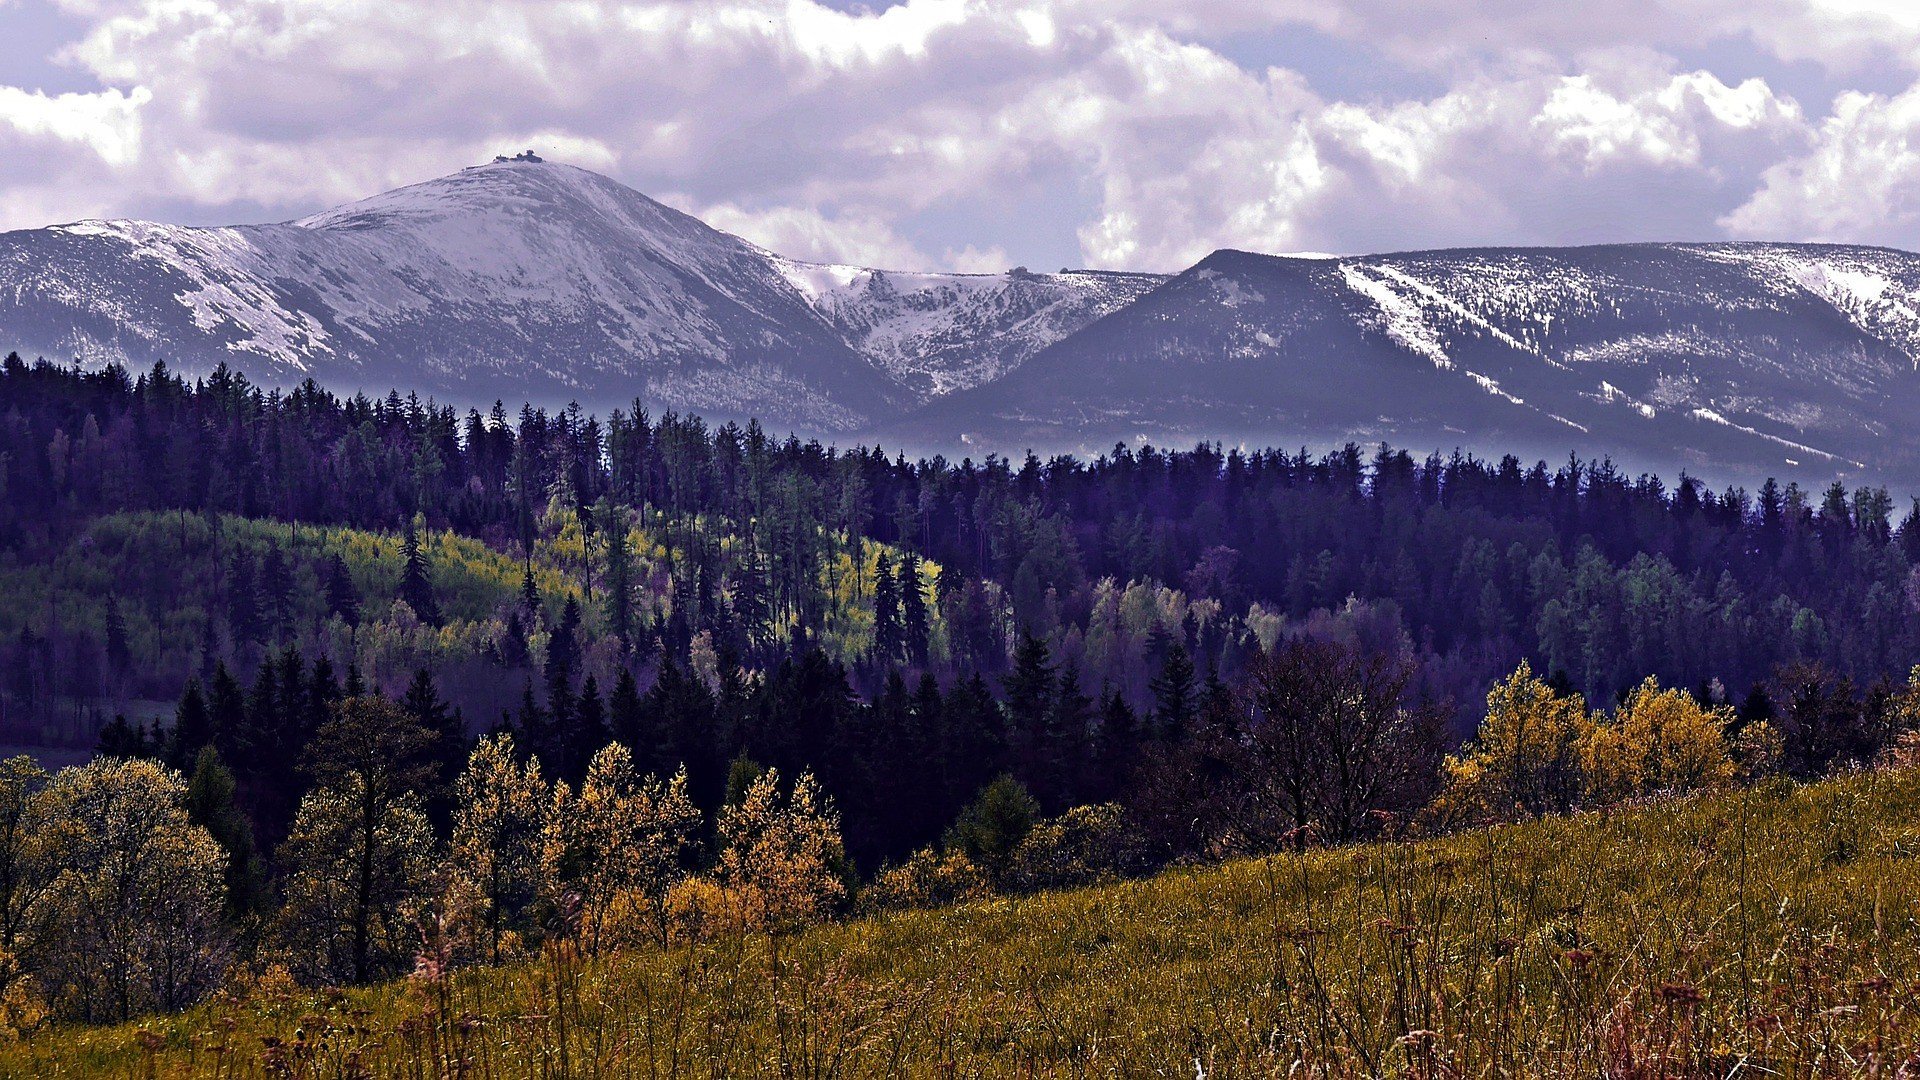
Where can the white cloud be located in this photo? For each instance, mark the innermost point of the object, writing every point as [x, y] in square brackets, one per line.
[811, 236]
[972, 126]
[1859, 183]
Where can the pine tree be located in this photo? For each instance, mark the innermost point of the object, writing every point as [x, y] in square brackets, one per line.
[889, 640]
[211, 806]
[447, 748]
[192, 727]
[343, 598]
[913, 609]
[416, 579]
[1175, 695]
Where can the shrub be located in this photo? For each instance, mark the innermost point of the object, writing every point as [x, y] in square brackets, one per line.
[1084, 845]
[927, 879]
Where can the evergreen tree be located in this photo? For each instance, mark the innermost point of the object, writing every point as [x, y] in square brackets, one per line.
[416, 579]
[210, 805]
[1175, 695]
[276, 593]
[343, 598]
[619, 591]
[1067, 744]
[243, 600]
[1119, 745]
[447, 744]
[889, 639]
[590, 733]
[119, 653]
[563, 662]
[192, 727]
[121, 739]
[992, 826]
[913, 609]
[627, 722]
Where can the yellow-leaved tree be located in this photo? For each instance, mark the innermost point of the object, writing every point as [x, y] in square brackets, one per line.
[1525, 759]
[620, 844]
[500, 851]
[781, 856]
[1657, 740]
[129, 922]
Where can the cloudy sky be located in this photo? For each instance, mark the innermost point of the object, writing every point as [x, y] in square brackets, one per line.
[978, 135]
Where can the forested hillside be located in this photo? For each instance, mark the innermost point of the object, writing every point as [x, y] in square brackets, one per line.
[382, 679]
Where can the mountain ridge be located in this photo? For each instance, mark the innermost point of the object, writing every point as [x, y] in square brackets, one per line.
[522, 279]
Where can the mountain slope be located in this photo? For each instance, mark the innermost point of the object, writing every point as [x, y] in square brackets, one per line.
[523, 278]
[1733, 360]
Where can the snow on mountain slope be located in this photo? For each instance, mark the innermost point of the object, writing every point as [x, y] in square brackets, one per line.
[1732, 360]
[523, 278]
[938, 333]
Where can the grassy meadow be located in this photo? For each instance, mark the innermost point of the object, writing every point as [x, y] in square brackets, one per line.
[1773, 931]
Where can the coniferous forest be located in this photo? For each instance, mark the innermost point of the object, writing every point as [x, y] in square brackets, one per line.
[351, 666]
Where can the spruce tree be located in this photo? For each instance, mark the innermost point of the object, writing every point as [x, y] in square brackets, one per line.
[210, 805]
[913, 609]
[243, 600]
[1175, 695]
[888, 638]
[119, 654]
[276, 593]
[122, 739]
[343, 598]
[447, 749]
[192, 727]
[627, 723]
[416, 579]
[589, 732]
[619, 590]
[1029, 691]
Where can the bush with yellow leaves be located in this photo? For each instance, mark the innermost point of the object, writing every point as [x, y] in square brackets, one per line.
[698, 909]
[1657, 740]
[501, 843]
[1082, 846]
[782, 857]
[1525, 760]
[620, 845]
[928, 879]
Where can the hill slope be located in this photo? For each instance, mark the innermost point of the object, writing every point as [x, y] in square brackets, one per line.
[1765, 932]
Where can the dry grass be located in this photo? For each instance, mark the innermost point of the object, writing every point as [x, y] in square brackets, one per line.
[1771, 932]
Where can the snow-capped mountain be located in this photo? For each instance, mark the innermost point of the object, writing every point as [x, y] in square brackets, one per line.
[528, 279]
[523, 279]
[1730, 360]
